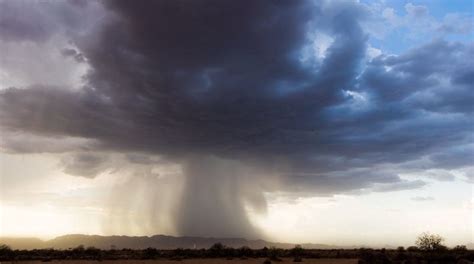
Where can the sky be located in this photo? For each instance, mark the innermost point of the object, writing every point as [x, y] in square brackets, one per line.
[335, 122]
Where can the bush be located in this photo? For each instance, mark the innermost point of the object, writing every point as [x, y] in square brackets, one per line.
[217, 250]
[6, 253]
[460, 248]
[412, 249]
[244, 252]
[429, 242]
[372, 256]
[298, 259]
[150, 253]
[297, 251]
[274, 254]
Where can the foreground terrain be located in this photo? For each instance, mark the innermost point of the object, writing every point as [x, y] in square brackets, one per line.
[219, 253]
[196, 261]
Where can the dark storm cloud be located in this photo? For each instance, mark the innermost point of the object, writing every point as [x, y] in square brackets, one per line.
[454, 157]
[436, 77]
[227, 84]
[16, 23]
[349, 181]
[38, 21]
[78, 57]
[50, 111]
[28, 143]
[86, 165]
[227, 80]
[222, 65]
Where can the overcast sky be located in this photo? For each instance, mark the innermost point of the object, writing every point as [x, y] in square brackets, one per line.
[339, 122]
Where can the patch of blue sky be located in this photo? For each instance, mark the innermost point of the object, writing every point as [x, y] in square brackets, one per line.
[405, 24]
[437, 8]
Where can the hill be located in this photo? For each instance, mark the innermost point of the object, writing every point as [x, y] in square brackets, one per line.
[141, 242]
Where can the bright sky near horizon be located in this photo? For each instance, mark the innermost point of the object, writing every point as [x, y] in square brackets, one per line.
[335, 122]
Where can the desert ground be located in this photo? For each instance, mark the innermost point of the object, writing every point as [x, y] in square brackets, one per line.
[193, 261]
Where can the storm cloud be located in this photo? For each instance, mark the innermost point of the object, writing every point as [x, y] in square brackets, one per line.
[247, 99]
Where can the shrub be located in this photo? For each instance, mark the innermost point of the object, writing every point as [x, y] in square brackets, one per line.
[298, 259]
[6, 253]
[244, 252]
[150, 253]
[412, 248]
[428, 241]
[460, 248]
[274, 254]
[217, 250]
[297, 251]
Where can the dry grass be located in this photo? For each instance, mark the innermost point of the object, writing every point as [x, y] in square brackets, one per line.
[193, 261]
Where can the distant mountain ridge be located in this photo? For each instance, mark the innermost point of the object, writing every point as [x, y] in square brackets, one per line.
[141, 242]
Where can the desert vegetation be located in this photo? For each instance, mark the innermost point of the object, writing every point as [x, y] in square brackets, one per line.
[428, 249]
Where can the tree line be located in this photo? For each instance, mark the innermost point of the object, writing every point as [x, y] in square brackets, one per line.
[428, 249]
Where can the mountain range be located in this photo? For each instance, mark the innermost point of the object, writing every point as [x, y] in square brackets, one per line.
[141, 242]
